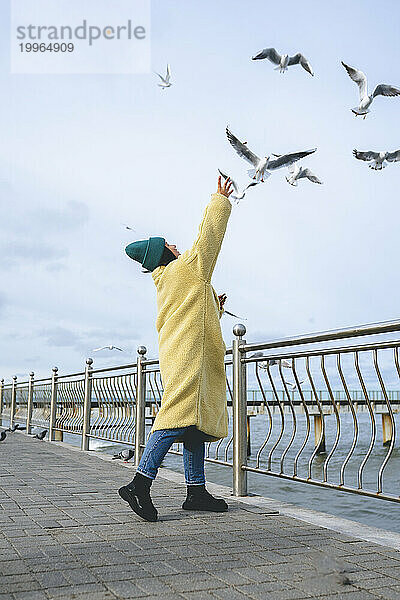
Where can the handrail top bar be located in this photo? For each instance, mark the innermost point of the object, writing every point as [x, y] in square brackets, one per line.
[20, 383]
[107, 369]
[325, 336]
[326, 351]
[145, 363]
[70, 375]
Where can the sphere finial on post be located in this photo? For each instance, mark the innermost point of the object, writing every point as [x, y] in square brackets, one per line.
[89, 361]
[142, 350]
[239, 330]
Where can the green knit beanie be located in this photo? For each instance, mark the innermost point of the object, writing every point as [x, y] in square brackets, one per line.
[147, 252]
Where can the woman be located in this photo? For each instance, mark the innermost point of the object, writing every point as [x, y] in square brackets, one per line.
[191, 354]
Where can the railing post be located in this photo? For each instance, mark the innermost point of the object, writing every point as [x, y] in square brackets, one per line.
[239, 414]
[29, 408]
[140, 425]
[87, 405]
[1, 401]
[13, 400]
[53, 404]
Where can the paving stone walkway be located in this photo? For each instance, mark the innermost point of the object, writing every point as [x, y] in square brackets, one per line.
[66, 534]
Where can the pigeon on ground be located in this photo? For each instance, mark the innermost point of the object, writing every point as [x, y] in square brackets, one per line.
[297, 172]
[107, 348]
[124, 455]
[12, 428]
[366, 99]
[165, 81]
[266, 164]
[380, 159]
[284, 61]
[41, 435]
[3, 436]
[238, 195]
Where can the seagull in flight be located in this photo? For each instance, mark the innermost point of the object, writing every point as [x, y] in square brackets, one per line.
[293, 385]
[379, 159]
[272, 362]
[366, 99]
[284, 61]
[262, 166]
[165, 81]
[127, 227]
[107, 348]
[297, 172]
[238, 195]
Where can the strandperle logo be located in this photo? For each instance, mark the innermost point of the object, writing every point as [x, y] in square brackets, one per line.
[80, 36]
[84, 31]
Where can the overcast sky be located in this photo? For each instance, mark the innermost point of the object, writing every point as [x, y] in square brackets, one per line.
[82, 154]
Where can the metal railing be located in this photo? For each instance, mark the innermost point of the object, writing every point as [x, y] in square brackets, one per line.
[318, 382]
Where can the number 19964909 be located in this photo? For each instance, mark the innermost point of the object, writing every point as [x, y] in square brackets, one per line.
[52, 47]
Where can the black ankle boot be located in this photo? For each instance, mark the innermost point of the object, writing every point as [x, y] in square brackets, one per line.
[137, 494]
[199, 499]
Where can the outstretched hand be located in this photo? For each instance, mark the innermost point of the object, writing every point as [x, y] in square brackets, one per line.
[225, 189]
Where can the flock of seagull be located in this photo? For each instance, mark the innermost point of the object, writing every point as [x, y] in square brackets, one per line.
[263, 166]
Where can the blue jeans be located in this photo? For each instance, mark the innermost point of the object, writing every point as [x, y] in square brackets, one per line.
[157, 447]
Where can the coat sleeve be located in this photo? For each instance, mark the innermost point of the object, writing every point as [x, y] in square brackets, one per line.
[204, 252]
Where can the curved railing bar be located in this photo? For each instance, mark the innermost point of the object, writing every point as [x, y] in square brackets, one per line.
[79, 392]
[265, 442]
[122, 406]
[102, 399]
[294, 426]
[109, 383]
[337, 416]
[391, 446]
[321, 412]
[308, 426]
[230, 441]
[355, 422]
[131, 404]
[152, 392]
[219, 443]
[159, 392]
[98, 423]
[125, 406]
[372, 418]
[281, 414]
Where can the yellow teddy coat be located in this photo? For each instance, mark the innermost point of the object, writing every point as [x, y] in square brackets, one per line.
[191, 348]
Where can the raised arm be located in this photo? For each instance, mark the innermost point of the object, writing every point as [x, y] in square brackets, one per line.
[204, 252]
